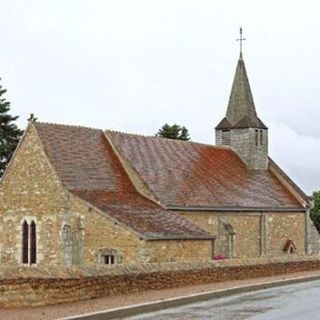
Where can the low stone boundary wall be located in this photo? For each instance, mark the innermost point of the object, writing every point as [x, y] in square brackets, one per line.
[35, 291]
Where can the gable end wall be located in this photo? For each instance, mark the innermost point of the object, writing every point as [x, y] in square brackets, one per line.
[30, 190]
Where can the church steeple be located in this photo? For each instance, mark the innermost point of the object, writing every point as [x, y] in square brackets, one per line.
[241, 111]
[241, 128]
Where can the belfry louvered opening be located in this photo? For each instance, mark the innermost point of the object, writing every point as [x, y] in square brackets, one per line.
[226, 137]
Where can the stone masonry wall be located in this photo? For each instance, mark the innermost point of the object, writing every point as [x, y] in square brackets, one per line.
[282, 227]
[29, 191]
[31, 291]
[256, 234]
[246, 227]
[247, 242]
[179, 250]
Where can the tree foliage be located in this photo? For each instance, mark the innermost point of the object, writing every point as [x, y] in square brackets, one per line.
[9, 132]
[315, 211]
[174, 132]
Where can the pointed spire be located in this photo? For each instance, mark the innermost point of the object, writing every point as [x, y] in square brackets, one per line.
[241, 101]
[241, 112]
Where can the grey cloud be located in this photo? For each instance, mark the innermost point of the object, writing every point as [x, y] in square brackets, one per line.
[134, 65]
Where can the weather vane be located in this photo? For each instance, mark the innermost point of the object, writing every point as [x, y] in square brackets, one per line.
[241, 39]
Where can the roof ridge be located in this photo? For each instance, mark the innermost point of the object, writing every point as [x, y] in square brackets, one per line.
[130, 134]
[168, 139]
[65, 125]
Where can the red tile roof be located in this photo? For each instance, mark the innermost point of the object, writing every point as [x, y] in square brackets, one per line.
[187, 174]
[87, 166]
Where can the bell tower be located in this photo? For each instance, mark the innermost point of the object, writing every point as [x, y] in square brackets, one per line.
[241, 129]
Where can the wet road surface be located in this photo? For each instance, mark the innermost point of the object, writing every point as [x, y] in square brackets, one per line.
[300, 301]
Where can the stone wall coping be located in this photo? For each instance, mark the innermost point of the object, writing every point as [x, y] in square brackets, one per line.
[76, 272]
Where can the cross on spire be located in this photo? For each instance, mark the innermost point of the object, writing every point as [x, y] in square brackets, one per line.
[241, 39]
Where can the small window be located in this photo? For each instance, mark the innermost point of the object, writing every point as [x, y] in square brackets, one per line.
[108, 259]
[226, 137]
[108, 256]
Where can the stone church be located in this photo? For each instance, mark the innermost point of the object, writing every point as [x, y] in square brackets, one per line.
[80, 196]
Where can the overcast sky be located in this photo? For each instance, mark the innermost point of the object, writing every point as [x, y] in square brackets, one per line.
[134, 65]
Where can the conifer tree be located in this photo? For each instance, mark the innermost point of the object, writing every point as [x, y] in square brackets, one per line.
[173, 132]
[9, 132]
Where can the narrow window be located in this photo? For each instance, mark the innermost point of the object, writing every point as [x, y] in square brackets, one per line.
[29, 243]
[25, 242]
[33, 243]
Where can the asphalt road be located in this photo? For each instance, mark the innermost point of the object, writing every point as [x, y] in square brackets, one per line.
[299, 301]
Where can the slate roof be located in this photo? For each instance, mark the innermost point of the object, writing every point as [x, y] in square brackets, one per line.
[87, 166]
[241, 111]
[187, 174]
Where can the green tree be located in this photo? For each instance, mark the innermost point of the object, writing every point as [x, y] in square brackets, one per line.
[10, 134]
[315, 211]
[173, 132]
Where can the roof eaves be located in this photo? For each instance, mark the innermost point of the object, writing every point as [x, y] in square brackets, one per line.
[224, 124]
[235, 209]
[243, 123]
[262, 125]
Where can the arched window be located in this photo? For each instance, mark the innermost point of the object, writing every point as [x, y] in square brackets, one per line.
[33, 243]
[25, 242]
[29, 242]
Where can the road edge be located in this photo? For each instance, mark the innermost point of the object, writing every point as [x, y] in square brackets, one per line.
[133, 310]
